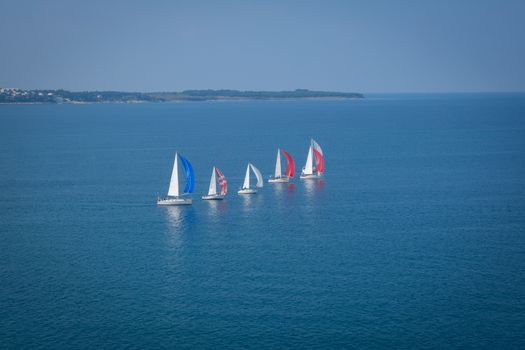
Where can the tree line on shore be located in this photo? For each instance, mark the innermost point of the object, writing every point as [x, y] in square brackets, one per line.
[65, 96]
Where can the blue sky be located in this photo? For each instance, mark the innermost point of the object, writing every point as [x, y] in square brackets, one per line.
[365, 46]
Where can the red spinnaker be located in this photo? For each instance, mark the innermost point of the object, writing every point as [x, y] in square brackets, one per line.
[222, 181]
[319, 161]
[290, 166]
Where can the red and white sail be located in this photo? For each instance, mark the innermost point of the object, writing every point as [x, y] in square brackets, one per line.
[310, 169]
[222, 181]
[319, 158]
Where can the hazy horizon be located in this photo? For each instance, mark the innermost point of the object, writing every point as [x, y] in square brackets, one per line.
[279, 90]
[349, 46]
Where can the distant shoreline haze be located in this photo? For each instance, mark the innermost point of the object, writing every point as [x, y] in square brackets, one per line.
[13, 95]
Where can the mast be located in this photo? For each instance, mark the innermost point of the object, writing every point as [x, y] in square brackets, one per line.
[213, 184]
[247, 178]
[174, 182]
[278, 164]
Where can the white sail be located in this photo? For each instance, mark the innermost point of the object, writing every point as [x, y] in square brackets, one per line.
[278, 164]
[247, 178]
[173, 191]
[317, 147]
[258, 175]
[308, 168]
[213, 184]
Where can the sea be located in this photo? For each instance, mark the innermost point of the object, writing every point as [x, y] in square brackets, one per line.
[414, 238]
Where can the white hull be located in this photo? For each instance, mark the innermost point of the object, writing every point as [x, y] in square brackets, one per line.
[310, 176]
[211, 197]
[279, 179]
[247, 191]
[174, 201]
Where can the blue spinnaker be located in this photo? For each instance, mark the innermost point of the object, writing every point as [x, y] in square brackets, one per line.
[190, 175]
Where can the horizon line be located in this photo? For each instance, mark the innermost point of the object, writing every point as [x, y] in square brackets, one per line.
[279, 90]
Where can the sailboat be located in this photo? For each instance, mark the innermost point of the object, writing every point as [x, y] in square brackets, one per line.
[212, 191]
[290, 168]
[245, 189]
[311, 171]
[174, 197]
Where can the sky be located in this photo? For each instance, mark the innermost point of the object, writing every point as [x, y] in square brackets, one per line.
[354, 46]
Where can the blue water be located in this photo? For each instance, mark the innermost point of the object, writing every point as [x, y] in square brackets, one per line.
[414, 239]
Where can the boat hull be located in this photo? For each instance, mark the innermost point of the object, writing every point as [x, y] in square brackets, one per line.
[213, 197]
[310, 176]
[279, 179]
[247, 191]
[174, 201]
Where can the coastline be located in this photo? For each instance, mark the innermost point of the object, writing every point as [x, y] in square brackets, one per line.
[188, 100]
[19, 96]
